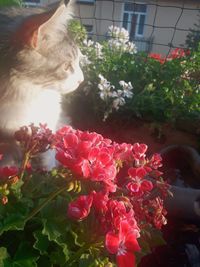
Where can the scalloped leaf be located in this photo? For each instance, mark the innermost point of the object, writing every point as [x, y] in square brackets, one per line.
[54, 224]
[77, 239]
[12, 222]
[13, 215]
[41, 243]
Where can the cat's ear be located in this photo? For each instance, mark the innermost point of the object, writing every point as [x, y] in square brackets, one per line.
[49, 32]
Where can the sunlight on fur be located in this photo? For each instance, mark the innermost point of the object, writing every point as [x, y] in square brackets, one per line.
[45, 108]
[39, 63]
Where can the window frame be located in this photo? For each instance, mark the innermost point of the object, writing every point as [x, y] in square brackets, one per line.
[130, 14]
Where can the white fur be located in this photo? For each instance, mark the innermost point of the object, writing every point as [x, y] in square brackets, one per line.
[25, 103]
[30, 105]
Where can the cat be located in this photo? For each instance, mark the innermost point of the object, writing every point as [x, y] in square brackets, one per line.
[39, 62]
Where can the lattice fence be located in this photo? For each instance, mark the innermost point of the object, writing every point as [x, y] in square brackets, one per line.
[157, 26]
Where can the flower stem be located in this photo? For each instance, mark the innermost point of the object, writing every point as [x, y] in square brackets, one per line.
[78, 254]
[45, 202]
[24, 164]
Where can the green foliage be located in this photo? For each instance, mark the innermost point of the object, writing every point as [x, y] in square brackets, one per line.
[35, 231]
[4, 3]
[161, 92]
[77, 30]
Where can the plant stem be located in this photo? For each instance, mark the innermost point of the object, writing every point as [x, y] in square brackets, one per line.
[24, 164]
[45, 202]
[78, 254]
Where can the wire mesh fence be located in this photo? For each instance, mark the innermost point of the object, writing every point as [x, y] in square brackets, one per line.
[157, 26]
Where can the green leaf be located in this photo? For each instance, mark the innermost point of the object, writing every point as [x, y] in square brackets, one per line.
[25, 256]
[77, 239]
[41, 243]
[13, 215]
[16, 189]
[12, 222]
[44, 261]
[157, 238]
[55, 224]
[3, 255]
[58, 258]
[88, 260]
[56, 233]
[51, 230]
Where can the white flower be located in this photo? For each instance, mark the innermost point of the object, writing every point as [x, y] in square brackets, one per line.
[88, 43]
[115, 44]
[84, 60]
[117, 93]
[131, 48]
[120, 40]
[118, 33]
[105, 88]
[120, 101]
[98, 48]
[127, 87]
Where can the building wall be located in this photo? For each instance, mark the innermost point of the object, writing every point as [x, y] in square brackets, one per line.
[161, 20]
[166, 19]
[101, 15]
[162, 17]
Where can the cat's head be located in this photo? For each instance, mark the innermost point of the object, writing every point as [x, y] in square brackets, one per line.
[46, 54]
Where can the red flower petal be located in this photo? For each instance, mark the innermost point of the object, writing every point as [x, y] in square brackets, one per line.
[70, 140]
[112, 242]
[84, 148]
[80, 208]
[132, 172]
[104, 157]
[85, 167]
[124, 229]
[126, 260]
[133, 187]
[146, 185]
[141, 172]
[139, 149]
[131, 242]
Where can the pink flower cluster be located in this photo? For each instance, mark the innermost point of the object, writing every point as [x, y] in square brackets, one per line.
[174, 54]
[34, 139]
[124, 180]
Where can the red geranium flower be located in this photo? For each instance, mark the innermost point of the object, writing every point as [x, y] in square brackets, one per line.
[80, 208]
[123, 244]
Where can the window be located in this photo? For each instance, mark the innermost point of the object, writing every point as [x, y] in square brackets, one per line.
[86, 1]
[134, 19]
[89, 28]
[32, 2]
